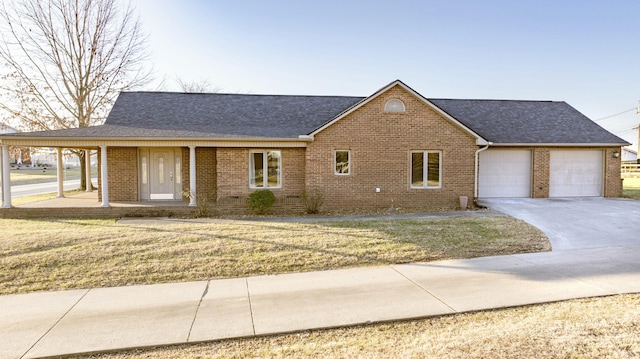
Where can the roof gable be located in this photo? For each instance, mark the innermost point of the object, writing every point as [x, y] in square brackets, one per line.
[421, 98]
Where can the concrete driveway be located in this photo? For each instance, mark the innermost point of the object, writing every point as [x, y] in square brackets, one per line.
[577, 223]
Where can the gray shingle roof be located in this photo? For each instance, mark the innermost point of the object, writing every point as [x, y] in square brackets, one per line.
[526, 122]
[225, 115]
[182, 115]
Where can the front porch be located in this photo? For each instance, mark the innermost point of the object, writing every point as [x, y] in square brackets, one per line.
[121, 173]
[87, 205]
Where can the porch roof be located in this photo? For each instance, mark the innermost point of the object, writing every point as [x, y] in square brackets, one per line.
[197, 115]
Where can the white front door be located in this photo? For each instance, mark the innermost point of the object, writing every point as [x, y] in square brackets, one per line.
[161, 174]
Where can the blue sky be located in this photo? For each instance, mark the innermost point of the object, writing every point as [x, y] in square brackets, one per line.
[586, 53]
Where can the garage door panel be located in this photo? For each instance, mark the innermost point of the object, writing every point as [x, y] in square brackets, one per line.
[576, 173]
[504, 173]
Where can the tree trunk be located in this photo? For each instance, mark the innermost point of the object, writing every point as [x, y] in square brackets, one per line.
[83, 170]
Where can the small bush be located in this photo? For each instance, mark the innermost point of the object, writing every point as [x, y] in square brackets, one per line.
[260, 201]
[202, 203]
[312, 201]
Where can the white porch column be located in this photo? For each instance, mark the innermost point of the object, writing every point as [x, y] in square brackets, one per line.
[6, 178]
[60, 174]
[1, 177]
[87, 166]
[192, 176]
[104, 176]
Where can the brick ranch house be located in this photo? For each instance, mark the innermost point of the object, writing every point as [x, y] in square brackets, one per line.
[393, 148]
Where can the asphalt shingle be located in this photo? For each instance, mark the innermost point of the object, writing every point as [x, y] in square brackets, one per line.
[526, 122]
[227, 116]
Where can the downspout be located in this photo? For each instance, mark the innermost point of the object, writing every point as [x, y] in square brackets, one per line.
[475, 184]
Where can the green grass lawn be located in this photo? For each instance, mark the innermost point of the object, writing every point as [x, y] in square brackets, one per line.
[631, 188]
[59, 254]
[28, 175]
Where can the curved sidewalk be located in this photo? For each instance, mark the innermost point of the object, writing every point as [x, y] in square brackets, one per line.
[79, 321]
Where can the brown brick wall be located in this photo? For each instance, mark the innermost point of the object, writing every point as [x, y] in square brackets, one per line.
[612, 181]
[293, 165]
[540, 180]
[123, 173]
[98, 212]
[233, 175]
[206, 176]
[380, 145]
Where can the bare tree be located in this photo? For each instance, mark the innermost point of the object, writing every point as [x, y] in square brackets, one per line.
[66, 60]
[201, 86]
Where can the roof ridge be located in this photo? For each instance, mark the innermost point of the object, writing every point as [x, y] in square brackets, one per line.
[488, 99]
[236, 94]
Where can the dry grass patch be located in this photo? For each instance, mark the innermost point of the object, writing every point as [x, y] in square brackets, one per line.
[43, 197]
[78, 253]
[587, 328]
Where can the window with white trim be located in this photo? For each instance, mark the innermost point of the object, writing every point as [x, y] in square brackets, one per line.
[145, 176]
[426, 169]
[178, 169]
[265, 169]
[394, 105]
[342, 162]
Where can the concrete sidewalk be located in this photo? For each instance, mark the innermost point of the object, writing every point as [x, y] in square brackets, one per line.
[77, 321]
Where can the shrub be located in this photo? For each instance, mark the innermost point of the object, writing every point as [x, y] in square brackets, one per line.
[202, 203]
[261, 200]
[312, 201]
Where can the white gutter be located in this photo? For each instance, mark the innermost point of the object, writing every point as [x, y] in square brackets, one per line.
[475, 183]
[6, 138]
[557, 144]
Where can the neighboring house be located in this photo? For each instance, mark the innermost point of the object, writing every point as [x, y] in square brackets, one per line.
[630, 163]
[393, 148]
[48, 157]
[18, 154]
[44, 157]
[4, 128]
[629, 155]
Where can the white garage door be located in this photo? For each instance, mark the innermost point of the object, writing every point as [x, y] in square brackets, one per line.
[504, 173]
[575, 173]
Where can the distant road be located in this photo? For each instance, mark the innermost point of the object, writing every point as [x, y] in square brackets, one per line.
[38, 188]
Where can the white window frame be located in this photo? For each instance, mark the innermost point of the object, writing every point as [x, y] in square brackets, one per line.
[335, 163]
[395, 105]
[425, 169]
[265, 174]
